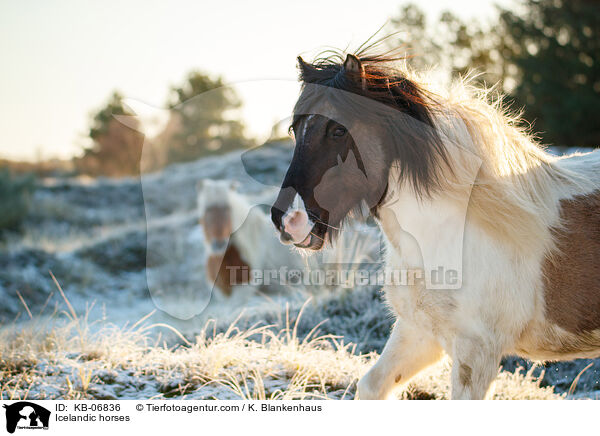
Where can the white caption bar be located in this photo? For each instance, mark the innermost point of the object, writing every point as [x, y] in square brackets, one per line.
[296, 417]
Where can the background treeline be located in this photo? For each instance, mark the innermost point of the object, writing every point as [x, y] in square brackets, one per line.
[544, 55]
[200, 123]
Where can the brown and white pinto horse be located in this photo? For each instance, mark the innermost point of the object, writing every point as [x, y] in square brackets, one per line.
[238, 238]
[454, 182]
[215, 210]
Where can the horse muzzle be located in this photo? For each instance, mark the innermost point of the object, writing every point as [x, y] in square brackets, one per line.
[218, 246]
[295, 227]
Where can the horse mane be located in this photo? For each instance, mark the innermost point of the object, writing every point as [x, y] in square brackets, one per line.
[379, 81]
[518, 185]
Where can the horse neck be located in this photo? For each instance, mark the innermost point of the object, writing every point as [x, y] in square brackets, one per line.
[240, 209]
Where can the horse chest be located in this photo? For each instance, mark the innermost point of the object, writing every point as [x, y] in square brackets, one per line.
[411, 300]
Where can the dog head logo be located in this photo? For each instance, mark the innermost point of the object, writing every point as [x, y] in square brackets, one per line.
[26, 415]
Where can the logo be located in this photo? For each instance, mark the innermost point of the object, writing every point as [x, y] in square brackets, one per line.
[26, 415]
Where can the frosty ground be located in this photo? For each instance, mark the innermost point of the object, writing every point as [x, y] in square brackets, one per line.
[126, 315]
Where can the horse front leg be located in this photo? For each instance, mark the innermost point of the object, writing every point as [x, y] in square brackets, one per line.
[406, 352]
[475, 363]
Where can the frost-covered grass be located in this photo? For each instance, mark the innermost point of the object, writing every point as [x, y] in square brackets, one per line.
[65, 356]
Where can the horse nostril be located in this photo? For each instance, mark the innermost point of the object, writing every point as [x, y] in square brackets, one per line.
[285, 237]
[294, 222]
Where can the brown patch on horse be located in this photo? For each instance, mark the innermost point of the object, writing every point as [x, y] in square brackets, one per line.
[227, 270]
[398, 378]
[464, 374]
[572, 273]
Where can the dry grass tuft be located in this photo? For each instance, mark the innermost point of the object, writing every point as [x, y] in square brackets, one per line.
[67, 358]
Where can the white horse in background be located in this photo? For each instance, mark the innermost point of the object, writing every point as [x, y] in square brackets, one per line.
[239, 240]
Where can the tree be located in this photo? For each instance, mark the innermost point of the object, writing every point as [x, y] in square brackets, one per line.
[556, 50]
[546, 57]
[450, 45]
[412, 35]
[116, 148]
[199, 123]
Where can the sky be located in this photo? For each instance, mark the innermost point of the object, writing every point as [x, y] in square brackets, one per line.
[62, 59]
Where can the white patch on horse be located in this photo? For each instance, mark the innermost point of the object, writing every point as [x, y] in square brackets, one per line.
[305, 125]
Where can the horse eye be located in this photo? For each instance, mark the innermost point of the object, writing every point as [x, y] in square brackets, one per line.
[339, 131]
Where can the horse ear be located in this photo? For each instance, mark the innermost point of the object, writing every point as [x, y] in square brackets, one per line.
[301, 62]
[352, 64]
[304, 67]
